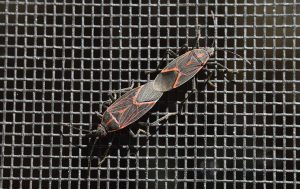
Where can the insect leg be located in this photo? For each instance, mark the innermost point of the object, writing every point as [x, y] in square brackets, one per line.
[124, 89]
[112, 99]
[106, 104]
[208, 80]
[184, 101]
[198, 30]
[99, 115]
[225, 69]
[106, 151]
[91, 155]
[230, 80]
[164, 118]
[137, 133]
[113, 95]
[149, 124]
[183, 49]
[168, 52]
[171, 53]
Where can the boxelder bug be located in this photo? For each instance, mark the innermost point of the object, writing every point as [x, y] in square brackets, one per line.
[125, 110]
[186, 66]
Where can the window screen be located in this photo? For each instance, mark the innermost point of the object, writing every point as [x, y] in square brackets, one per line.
[60, 60]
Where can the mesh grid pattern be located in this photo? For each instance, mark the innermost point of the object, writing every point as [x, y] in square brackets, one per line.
[59, 61]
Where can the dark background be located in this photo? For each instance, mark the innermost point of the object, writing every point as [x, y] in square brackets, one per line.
[60, 59]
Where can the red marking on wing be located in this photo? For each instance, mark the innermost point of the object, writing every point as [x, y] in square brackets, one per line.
[189, 63]
[139, 112]
[181, 74]
[109, 122]
[177, 80]
[122, 111]
[192, 67]
[173, 66]
[127, 110]
[170, 70]
[200, 55]
[186, 66]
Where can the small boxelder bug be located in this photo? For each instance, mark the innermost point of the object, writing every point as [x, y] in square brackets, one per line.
[184, 67]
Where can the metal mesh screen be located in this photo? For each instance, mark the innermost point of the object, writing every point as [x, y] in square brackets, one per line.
[60, 59]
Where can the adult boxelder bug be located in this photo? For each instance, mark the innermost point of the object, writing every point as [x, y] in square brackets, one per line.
[182, 69]
[125, 110]
[186, 66]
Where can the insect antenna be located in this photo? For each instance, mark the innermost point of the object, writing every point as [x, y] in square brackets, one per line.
[61, 133]
[90, 156]
[93, 146]
[215, 26]
[212, 45]
[78, 129]
[197, 39]
[104, 155]
[198, 30]
[236, 54]
[147, 140]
